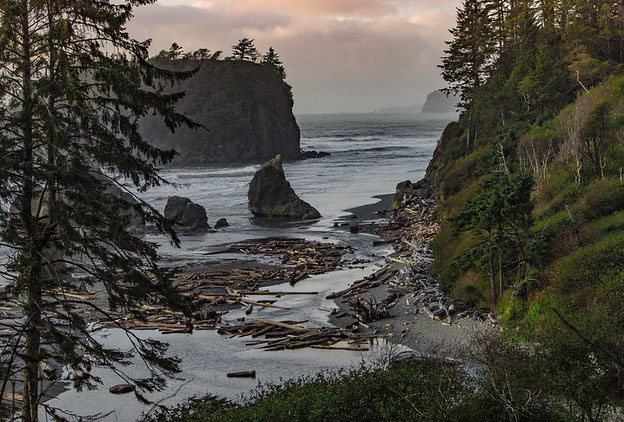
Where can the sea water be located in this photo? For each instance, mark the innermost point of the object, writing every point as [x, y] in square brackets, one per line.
[370, 154]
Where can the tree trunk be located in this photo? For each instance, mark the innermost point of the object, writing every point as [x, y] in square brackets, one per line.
[31, 271]
[493, 280]
[500, 275]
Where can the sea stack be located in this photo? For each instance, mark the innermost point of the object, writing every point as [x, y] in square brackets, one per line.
[271, 196]
[185, 214]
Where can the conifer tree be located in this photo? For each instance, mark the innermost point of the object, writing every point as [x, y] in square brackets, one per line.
[468, 58]
[245, 50]
[174, 52]
[272, 59]
[74, 85]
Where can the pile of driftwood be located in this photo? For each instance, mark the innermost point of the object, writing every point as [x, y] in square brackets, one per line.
[414, 221]
[226, 288]
[288, 335]
[374, 280]
[307, 258]
[413, 279]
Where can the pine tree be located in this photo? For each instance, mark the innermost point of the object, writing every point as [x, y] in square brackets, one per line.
[499, 215]
[245, 50]
[467, 60]
[174, 52]
[272, 59]
[74, 85]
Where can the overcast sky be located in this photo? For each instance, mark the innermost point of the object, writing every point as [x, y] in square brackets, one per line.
[340, 55]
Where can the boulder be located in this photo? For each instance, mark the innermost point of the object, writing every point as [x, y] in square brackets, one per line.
[221, 223]
[270, 195]
[135, 221]
[407, 191]
[186, 214]
[314, 154]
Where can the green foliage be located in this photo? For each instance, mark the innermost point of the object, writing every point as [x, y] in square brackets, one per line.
[272, 59]
[499, 215]
[602, 198]
[584, 267]
[418, 391]
[74, 86]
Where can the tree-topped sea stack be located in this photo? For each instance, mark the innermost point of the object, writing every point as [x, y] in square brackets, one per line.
[246, 108]
[270, 195]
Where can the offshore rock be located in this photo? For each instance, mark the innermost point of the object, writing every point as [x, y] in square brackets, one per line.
[270, 195]
[185, 214]
[246, 108]
[222, 222]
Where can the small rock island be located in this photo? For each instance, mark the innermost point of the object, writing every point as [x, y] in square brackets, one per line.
[271, 196]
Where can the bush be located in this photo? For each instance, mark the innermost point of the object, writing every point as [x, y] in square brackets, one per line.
[602, 198]
[585, 266]
[427, 390]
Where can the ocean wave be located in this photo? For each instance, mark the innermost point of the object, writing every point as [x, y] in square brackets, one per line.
[218, 172]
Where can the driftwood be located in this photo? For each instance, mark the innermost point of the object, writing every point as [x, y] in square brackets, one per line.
[242, 374]
[288, 335]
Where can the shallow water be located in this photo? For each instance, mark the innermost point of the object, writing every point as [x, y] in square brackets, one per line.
[370, 155]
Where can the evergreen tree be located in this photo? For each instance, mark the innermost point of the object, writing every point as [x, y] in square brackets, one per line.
[467, 61]
[201, 54]
[499, 216]
[272, 59]
[245, 50]
[74, 85]
[174, 52]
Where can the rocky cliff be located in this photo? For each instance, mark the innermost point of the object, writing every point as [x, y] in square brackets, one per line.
[246, 108]
[438, 102]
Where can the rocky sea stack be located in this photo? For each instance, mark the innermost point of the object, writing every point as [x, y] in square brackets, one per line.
[271, 196]
[185, 214]
[246, 108]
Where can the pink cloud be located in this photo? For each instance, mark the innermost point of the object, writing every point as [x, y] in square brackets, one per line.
[356, 55]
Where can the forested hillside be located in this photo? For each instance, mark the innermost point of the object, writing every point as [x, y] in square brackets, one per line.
[530, 182]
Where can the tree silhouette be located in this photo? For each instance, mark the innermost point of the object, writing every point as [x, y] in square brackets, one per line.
[245, 50]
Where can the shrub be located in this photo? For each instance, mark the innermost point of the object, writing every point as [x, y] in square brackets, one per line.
[602, 198]
[585, 266]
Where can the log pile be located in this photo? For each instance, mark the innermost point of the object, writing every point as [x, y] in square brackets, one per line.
[222, 289]
[410, 228]
[289, 335]
[308, 258]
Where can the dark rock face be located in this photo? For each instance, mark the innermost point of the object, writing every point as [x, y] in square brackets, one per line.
[438, 102]
[407, 191]
[245, 107]
[306, 155]
[270, 195]
[136, 223]
[222, 222]
[186, 214]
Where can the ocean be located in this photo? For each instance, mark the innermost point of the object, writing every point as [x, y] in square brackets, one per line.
[370, 154]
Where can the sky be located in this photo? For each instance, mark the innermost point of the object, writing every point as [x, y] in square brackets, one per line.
[340, 55]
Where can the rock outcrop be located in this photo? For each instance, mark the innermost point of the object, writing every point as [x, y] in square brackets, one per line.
[247, 110]
[222, 222]
[185, 214]
[438, 102]
[407, 191]
[270, 195]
